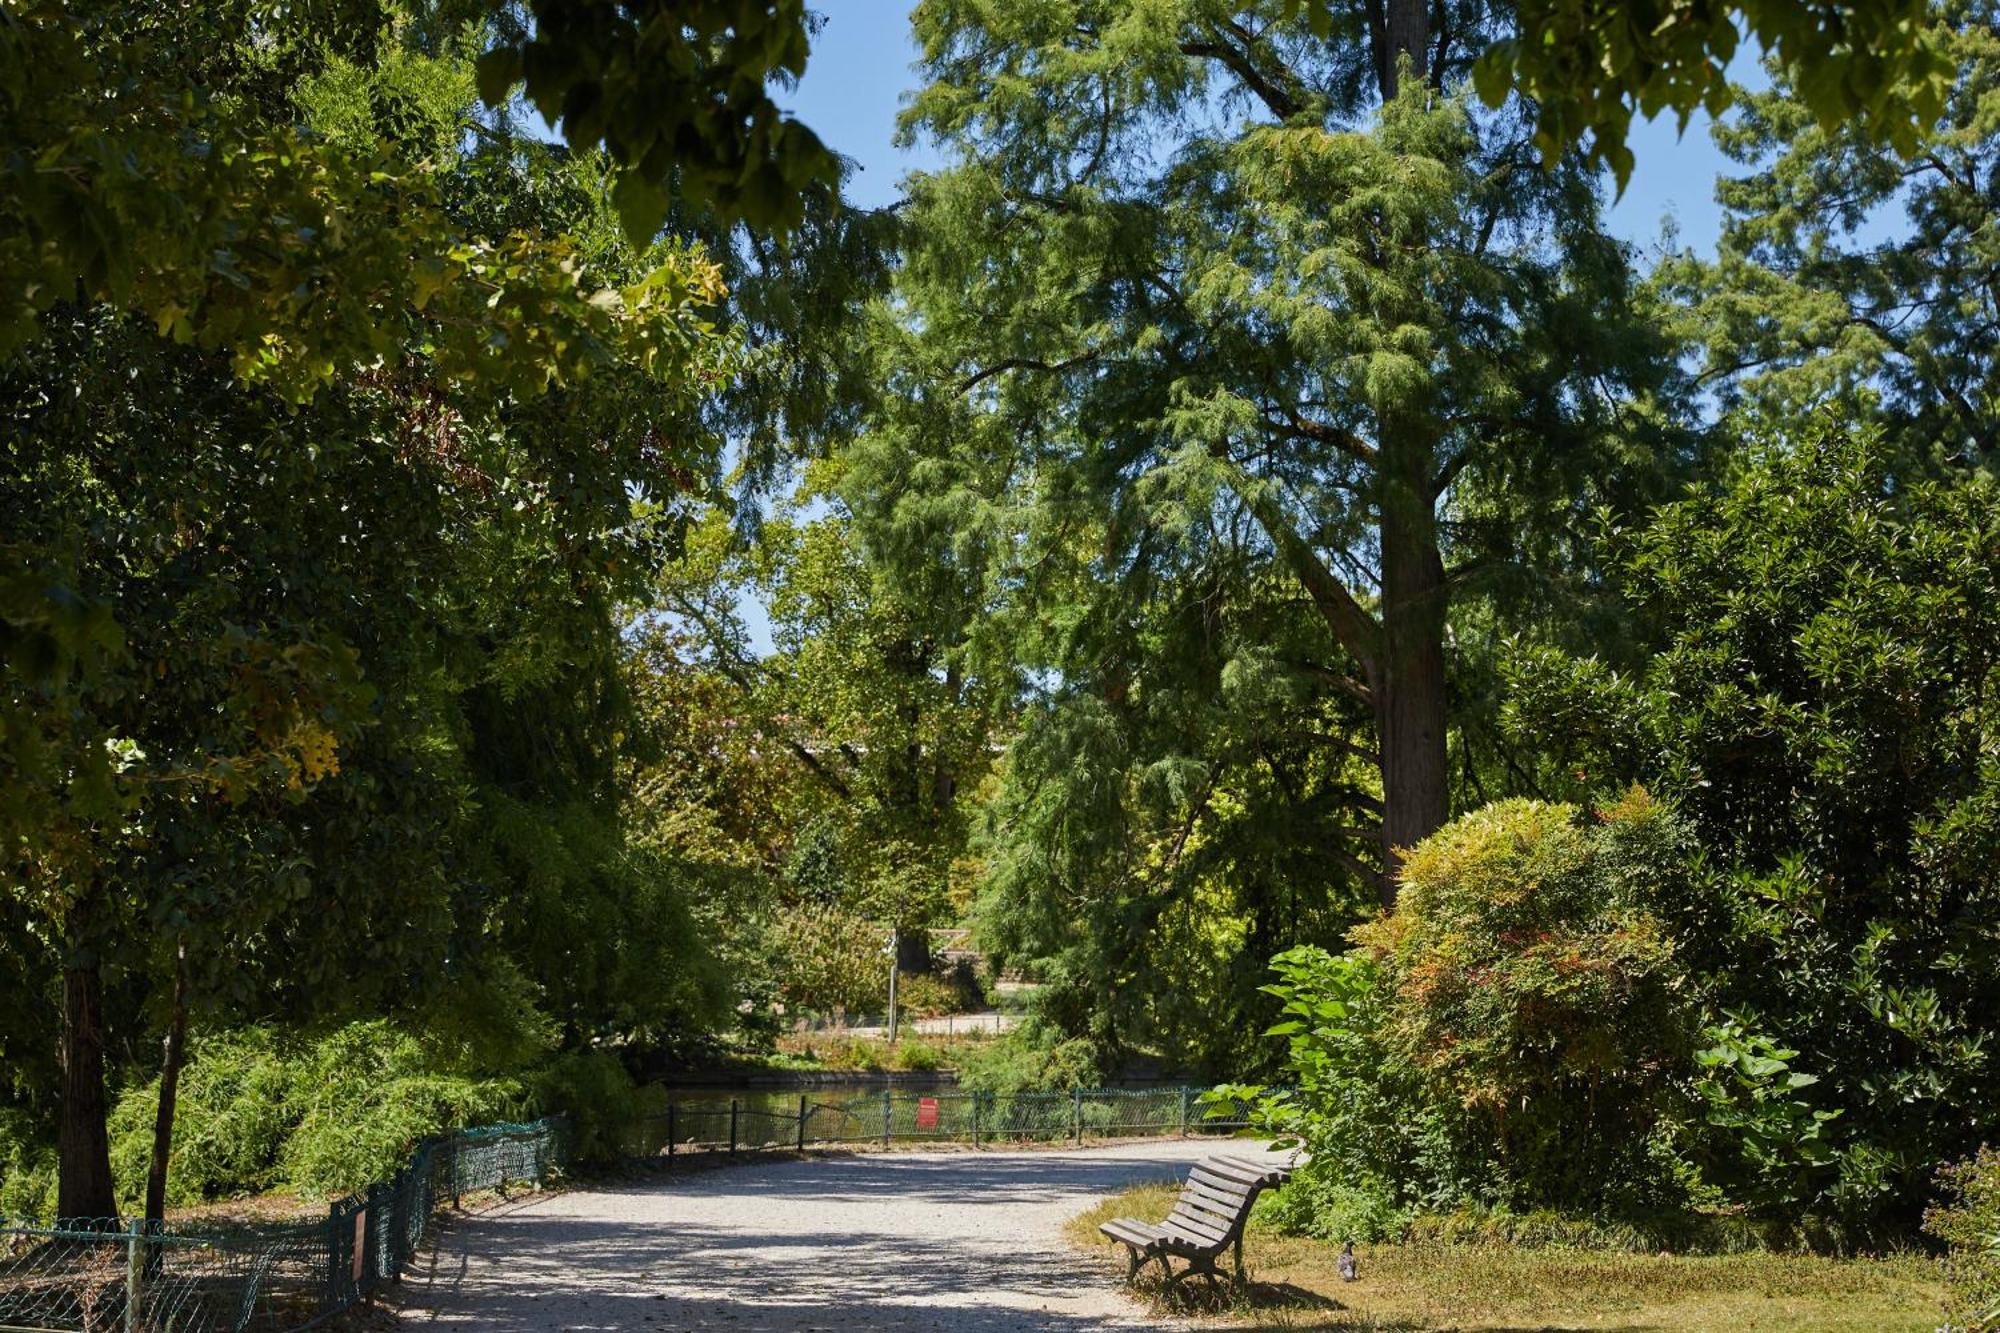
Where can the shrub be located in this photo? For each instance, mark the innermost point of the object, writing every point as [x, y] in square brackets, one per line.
[27, 1170]
[830, 959]
[232, 1116]
[1529, 986]
[1968, 1222]
[1772, 1149]
[1813, 684]
[325, 1116]
[602, 1102]
[934, 994]
[1509, 1037]
[1024, 1060]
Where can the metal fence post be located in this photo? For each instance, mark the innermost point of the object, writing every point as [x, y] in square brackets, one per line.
[135, 1267]
[732, 1126]
[802, 1124]
[887, 1117]
[332, 1299]
[670, 1131]
[975, 1120]
[1184, 1110]
[1076, 1114]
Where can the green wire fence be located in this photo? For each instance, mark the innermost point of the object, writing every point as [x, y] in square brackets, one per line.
[753, 1123]
[115, 1276]
[111, 1276]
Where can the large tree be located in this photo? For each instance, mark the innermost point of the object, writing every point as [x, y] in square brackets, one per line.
[316, 675]
[1210, 276]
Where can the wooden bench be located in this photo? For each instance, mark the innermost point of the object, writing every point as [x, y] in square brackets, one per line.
[1207, 1219]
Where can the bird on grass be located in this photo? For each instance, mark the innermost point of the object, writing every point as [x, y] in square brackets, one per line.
[1348, 1269]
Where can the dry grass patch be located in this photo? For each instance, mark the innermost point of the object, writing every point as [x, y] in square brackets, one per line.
[1478, 1287]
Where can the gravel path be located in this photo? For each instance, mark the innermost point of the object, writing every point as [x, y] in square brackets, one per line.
[894, 1240]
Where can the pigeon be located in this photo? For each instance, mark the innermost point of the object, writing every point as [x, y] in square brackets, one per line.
[1347, 1267]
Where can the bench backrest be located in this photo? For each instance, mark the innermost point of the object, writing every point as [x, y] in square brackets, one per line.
[1215, 1202]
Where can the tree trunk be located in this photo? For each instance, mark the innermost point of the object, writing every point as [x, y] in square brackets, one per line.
[913, 950]
[1409, 679]
[1398, 28]
[84, 1188]
[170, 1081]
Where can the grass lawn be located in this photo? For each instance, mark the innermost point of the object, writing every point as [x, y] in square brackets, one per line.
[1439, 1286]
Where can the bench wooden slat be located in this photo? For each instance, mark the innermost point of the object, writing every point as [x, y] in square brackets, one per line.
[1132, 1231]
[1207, 1209]
[1235, 1179]
[1235, 1176]
[1267, 1168]
[1195, 1195]
[1203, 1228]
[1212, 1197]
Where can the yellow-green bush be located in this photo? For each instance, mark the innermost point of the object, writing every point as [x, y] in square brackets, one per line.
[829, 959]
[1524, 981]
[1509, 1038]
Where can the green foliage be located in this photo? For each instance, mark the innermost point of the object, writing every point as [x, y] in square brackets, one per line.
[1748, 1086]
[1873, 70]
[27, 1169]
[676, 93]
[831, 959]
[1816, 691]
[361, 257]
[1029, 1058]
[1836, 249]
[593, 1089]
[1676, 1231]
[1968, 1221]
[322, 1116]
[933, 995]
[1509, 1037]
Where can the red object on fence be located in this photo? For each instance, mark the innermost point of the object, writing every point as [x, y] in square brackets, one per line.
[926, 1113]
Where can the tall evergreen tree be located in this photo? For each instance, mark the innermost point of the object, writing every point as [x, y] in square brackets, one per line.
[1209, 276]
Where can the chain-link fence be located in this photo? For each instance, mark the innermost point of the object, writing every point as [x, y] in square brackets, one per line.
[113, 1276]
[757, 1122]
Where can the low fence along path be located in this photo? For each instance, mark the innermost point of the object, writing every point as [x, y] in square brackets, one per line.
[954, 1240]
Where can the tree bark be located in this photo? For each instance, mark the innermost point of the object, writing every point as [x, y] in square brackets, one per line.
[173, 1056]
[913, 950]
[1399, 28]
[84, 1188]
[1409, 680]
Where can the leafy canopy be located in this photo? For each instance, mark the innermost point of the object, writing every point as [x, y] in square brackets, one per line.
[1874, 69]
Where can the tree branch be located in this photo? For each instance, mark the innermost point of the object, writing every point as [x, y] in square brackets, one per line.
[1350, 622]
[1284, 103]
[972, 381]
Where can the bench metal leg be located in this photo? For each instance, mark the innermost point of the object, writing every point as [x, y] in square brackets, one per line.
[1242, 1278]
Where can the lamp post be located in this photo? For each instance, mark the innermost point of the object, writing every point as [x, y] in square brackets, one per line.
[894, 950]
